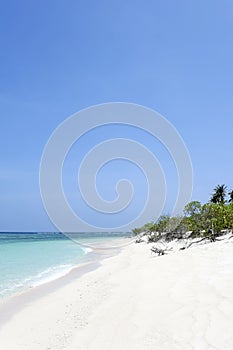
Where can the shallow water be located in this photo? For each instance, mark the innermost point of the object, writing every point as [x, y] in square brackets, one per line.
[30, 259]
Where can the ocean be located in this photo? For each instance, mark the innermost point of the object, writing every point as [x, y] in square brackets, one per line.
[31, 259]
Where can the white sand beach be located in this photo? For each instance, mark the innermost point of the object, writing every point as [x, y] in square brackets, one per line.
[134, 300]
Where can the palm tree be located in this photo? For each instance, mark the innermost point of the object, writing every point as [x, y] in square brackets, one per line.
[219, 194]
[231, 196]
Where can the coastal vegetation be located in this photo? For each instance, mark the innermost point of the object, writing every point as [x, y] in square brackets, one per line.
[209, 220]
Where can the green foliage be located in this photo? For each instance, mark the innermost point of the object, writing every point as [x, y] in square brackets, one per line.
[192, 208]
[213, 217]
[192, 213]
[229, 216]
[219, 195]
[203, 220]
[137, 230]
[231, 196]
[149, 227]
[162, 223]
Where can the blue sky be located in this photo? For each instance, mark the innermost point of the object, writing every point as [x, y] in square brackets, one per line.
[58, 57]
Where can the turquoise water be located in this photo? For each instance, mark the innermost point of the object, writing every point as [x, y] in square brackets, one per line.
[30, 259]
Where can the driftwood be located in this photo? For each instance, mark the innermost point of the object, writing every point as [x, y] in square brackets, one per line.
[211, 238]
[200, 240]
[158, 251]
[138, 240]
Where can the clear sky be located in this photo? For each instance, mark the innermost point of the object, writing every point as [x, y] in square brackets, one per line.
[57, 57]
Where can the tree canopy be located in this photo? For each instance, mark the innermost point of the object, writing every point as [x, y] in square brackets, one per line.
[212, 217]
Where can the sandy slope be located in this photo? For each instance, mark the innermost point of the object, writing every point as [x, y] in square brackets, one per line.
[135, 301]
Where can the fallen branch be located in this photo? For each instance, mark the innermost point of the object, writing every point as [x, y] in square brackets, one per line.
[158, 251]
[211, 238]
[203, 239]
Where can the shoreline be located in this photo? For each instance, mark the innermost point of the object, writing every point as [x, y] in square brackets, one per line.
[135, 300]
[12, 304]
[17, 278]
